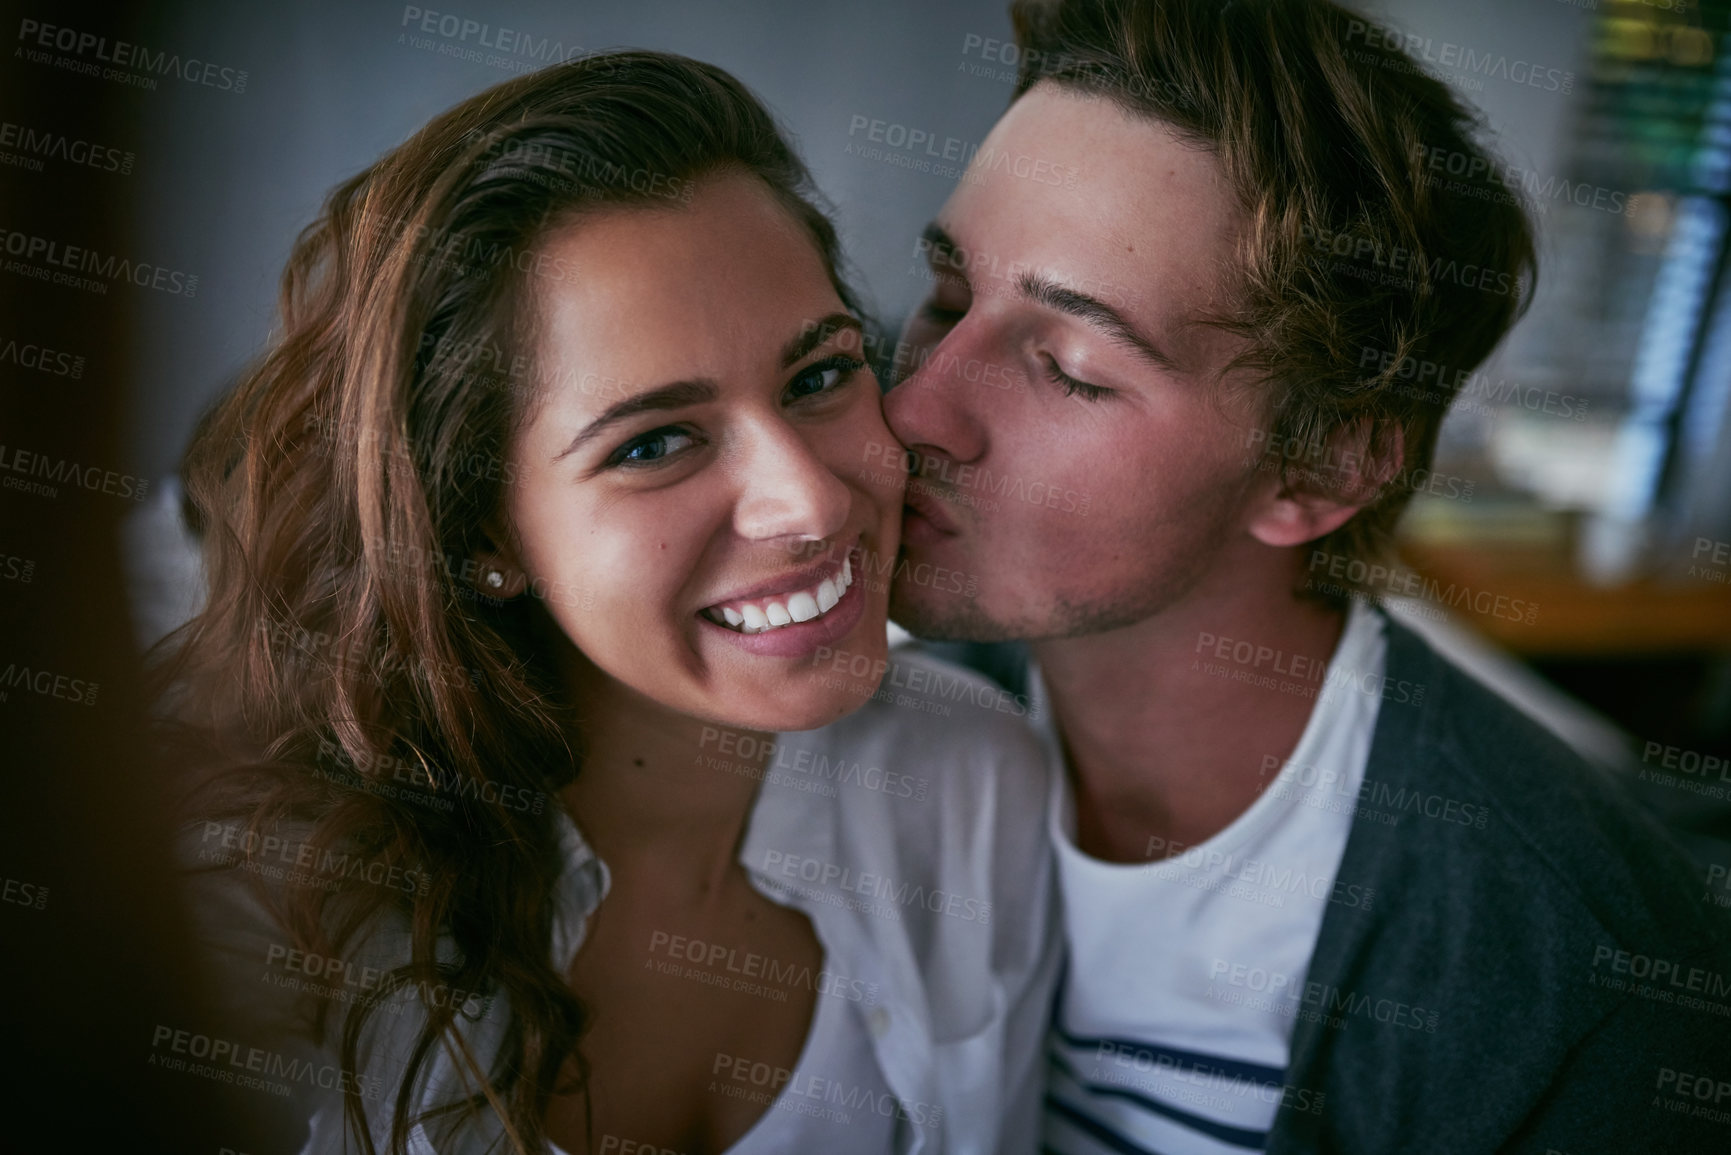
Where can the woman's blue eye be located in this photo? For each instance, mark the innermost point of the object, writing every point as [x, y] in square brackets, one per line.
[824, 376]
[652, 447]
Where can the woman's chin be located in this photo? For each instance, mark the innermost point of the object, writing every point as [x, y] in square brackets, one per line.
[814, 700]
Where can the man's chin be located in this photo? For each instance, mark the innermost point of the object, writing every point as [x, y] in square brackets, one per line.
[939, 616]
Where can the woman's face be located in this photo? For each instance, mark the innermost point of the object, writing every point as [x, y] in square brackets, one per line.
[699, 463]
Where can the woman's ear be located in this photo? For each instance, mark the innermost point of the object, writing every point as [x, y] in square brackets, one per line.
[1316, 497]
[494, 568]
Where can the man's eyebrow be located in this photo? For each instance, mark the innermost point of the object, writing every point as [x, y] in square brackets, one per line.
[677, 395]
[816, 333]
[1096, 313]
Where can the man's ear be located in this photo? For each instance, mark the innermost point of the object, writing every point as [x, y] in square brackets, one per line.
[1316, 497]
[495, 569]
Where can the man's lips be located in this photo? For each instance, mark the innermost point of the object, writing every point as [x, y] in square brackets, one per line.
[925, 518]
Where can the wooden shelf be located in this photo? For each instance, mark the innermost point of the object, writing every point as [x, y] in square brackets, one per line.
[1652, 616]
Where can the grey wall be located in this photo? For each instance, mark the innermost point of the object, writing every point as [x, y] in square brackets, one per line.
[226, 180]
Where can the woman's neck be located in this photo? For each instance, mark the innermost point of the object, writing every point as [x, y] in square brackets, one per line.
[662, 791]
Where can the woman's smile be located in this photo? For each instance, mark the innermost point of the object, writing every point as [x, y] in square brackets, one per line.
[794, 615]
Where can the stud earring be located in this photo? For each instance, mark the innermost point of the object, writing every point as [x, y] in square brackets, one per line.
[495, 579]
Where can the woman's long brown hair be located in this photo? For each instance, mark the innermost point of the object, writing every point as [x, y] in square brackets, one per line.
[341, 489]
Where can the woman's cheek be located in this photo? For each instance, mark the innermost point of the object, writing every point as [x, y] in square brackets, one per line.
[867, 453]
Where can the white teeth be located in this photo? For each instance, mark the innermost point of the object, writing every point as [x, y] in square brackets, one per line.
[803, 606]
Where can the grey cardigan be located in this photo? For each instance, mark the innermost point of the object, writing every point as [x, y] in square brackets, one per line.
[1539, 971]
[1539, 939]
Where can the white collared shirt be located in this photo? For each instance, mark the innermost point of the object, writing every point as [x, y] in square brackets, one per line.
[912, 834]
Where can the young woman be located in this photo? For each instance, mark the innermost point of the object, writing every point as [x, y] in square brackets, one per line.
[561, 492]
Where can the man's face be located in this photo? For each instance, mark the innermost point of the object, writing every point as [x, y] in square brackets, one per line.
[1078, 458]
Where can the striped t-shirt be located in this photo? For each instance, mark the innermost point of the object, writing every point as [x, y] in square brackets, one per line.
[1171, 1029]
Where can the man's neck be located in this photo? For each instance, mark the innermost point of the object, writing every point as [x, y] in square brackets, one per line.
[1173, 726]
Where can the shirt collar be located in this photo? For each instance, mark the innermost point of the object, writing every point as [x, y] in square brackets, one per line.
[783, 819]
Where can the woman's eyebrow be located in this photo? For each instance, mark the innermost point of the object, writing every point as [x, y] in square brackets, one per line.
[815, 333]
[677, 395]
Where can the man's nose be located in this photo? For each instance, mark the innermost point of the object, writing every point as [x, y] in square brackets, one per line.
[935, 411]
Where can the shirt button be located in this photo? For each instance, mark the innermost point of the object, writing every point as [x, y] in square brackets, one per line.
[877, 1022]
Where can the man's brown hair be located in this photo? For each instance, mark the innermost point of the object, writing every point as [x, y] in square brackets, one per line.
[1381, 237]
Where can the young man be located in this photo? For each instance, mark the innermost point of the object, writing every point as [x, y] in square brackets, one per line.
[1323, 891]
